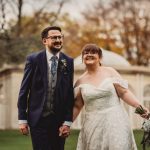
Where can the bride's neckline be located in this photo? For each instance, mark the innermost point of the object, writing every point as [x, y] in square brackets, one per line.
[99, 85]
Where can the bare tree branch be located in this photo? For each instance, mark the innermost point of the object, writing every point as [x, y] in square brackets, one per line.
[58, 11]
[20, 4]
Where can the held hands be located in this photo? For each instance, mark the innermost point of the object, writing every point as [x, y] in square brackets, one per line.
[143, 112]
[64, 131]
[24, 129]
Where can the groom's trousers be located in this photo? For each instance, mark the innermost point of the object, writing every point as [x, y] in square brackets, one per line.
[45, 135]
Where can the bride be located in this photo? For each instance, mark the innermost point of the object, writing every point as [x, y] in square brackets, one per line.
[106, 124]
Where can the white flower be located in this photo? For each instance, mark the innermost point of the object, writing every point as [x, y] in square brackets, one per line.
[146, 125]
[64, 62]
[64, 66]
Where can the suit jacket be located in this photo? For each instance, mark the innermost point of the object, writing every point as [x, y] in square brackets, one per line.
[34, 86]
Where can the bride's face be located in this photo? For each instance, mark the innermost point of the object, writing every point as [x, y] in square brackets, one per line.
[91, 58]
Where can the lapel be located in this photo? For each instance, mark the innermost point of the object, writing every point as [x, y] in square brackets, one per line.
[43, 66]
[59, 70]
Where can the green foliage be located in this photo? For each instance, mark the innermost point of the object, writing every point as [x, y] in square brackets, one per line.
[17, 43]
[15, 50]
[138, 134]
[11, 139]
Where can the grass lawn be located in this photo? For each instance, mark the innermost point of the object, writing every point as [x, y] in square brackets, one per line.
[13, 140]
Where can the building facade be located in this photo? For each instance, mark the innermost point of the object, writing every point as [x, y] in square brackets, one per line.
[138, 79]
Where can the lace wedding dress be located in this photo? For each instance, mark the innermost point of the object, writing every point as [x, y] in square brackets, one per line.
[105, 123]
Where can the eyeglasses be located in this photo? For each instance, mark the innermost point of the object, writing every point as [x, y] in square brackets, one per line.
[54, 38]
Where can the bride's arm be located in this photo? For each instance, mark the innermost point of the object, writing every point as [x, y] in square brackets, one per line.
[122, 91]
[125, 94]
[130, 98]
[78, 104]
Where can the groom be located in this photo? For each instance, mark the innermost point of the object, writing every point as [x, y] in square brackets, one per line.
[45, 100]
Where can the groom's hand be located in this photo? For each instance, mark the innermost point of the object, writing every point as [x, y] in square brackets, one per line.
[64, 131]
[24, 129]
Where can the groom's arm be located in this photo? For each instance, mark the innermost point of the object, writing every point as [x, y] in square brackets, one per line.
[70, 98]
[23, 95]
[24, 90]
[65, 128]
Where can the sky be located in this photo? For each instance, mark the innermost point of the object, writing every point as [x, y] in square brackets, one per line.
[74, 7]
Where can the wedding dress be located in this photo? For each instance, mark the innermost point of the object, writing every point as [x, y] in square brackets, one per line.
[105, 123]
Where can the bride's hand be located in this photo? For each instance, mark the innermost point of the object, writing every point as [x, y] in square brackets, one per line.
[142, 111]
[146, 115]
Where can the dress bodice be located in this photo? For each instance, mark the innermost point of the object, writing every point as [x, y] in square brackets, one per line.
[103, 96]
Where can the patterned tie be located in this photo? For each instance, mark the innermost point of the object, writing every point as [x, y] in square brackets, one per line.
[54, 65]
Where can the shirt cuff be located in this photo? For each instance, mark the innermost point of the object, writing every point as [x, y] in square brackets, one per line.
[22, 121]
[67, 123]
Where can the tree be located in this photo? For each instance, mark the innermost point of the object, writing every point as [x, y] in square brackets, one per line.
[123, 25]
[20, 35]
[135, 20]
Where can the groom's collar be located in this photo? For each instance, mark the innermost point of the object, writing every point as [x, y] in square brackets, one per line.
[49, 54]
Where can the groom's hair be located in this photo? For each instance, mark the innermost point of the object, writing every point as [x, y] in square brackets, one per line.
[44, 33]
[92, 48]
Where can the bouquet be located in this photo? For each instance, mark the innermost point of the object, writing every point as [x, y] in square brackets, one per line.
[145, 126]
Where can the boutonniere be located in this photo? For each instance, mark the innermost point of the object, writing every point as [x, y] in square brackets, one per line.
[63, 65]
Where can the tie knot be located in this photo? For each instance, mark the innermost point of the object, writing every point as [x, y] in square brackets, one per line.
[54, 58]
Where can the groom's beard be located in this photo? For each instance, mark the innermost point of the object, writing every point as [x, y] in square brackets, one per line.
[54, 48]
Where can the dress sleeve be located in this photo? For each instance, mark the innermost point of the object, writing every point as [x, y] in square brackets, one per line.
[123, 83]
[76, 91]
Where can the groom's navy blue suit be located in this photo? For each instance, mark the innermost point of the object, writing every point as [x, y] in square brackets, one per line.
[32, 95]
